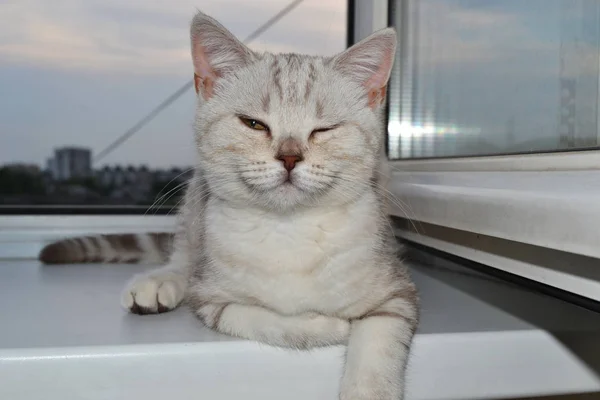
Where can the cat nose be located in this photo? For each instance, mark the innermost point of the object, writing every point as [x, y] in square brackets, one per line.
[289, 161]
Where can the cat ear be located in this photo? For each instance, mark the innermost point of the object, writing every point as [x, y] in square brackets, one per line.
[369, 63]
[215, 53]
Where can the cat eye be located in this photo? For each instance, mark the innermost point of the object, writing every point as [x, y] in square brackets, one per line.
[320, 130]
[254, 124]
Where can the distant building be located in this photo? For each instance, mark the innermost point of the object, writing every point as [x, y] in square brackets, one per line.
[173, 174]
[139, 179]
[130, 174]
[32, 169]
[52, 168]
[104, 176]
[70, 162]
[144, 178]
[118, 176]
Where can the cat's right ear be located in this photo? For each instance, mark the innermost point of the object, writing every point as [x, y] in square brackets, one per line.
[215, 53]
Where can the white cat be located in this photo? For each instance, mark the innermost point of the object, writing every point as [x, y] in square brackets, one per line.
[283, 236]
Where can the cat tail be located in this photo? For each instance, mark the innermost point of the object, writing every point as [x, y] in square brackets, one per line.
[141, 248]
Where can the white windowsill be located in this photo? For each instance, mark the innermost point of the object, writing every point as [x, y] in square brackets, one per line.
[554, 209]
[23, 236]
[65, 336]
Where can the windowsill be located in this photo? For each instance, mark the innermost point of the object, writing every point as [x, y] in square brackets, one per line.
[23, 236]
[479, 339]
[558, 210]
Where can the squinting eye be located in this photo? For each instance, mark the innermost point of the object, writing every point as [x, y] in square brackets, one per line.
[254, 124]
[319, 130]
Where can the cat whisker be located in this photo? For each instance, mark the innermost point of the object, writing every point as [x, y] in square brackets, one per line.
[178, 186]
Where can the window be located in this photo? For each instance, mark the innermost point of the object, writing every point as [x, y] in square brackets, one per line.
[493, 134]
[497, 77]
[93, 111]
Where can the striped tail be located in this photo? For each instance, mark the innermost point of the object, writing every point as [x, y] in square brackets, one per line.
[143, 248]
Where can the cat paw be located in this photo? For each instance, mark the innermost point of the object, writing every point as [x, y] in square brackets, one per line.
[152, 295]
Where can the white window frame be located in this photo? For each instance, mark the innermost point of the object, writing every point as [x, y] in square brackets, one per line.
[549, 202]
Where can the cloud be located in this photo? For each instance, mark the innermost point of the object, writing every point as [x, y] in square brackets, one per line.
[507, 37]
[152, 37]
[82, 72]
[452, 34]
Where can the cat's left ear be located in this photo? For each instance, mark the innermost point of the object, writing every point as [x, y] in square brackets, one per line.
[215, 52]
[369, 63]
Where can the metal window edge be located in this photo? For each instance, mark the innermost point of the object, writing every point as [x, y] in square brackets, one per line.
[565, 271]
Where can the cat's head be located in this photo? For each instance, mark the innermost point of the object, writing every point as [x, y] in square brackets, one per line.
[282, 131]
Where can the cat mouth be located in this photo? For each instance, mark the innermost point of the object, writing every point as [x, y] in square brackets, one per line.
[289, 184]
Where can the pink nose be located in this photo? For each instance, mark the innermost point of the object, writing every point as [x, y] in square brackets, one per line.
[289, 162]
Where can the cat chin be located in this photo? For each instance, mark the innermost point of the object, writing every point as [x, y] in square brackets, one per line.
[288, 190]
[286, 196]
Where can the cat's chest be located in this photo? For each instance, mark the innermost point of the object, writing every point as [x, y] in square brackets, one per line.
[290, 264]
[258, 241]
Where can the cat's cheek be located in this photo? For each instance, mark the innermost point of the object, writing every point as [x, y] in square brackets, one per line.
[257, 138]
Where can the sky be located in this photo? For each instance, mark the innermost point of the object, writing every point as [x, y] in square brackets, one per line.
[81, 72]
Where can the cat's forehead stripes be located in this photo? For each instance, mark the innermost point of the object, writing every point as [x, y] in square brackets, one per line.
[277, 78]
[319, 109]
[293, 78]
[312, 77]
[266, 101]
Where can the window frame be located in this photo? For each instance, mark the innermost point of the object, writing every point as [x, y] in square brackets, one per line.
[495, 201]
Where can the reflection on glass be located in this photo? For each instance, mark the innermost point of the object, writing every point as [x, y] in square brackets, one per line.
[495, 77]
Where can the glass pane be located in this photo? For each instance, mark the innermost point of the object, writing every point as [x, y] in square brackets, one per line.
[77, 74]
[480, 77]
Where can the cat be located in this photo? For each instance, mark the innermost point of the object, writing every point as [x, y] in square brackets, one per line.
[283, 236]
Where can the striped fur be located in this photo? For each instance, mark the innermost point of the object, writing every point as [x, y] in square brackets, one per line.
[141, 248]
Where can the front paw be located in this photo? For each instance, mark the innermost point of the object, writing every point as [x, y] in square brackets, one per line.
[151, 295]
